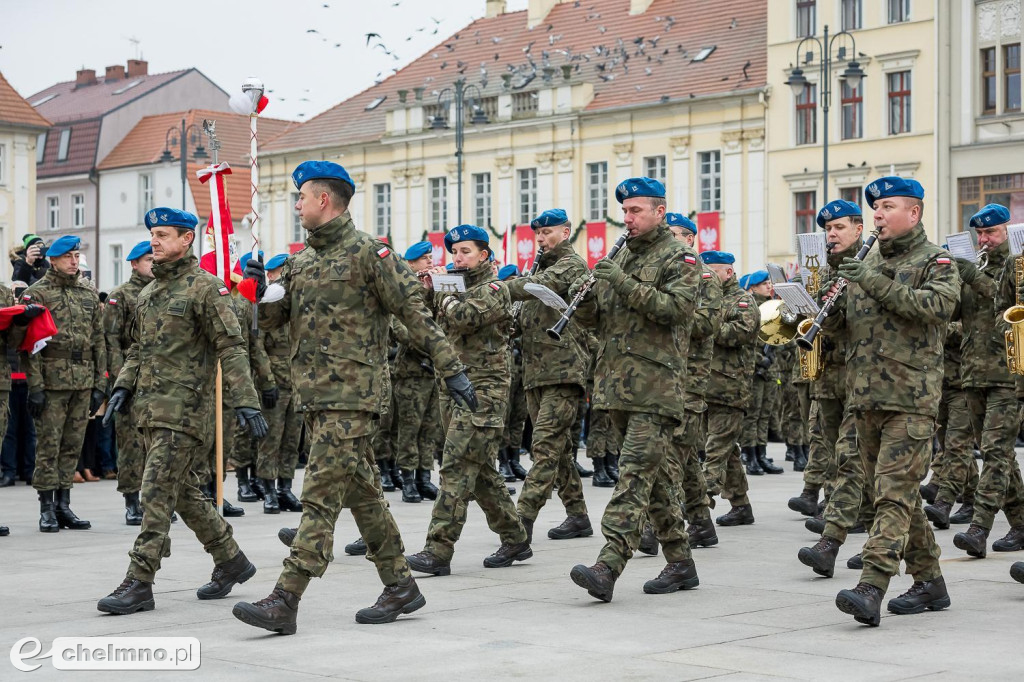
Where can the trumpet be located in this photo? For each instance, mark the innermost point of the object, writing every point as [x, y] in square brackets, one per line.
[982, 261]
[556, 331]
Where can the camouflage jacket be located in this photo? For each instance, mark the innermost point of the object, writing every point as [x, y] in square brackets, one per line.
[834, 343]
[184, 324]
[7, 341]
[951, 357]
[546, 361]
[897, 326]
[732, 361]
[259, 362]
[984, 343]
[118, 317]
[75, 359]
[278, 349]
[643, 326]
[707, 320]
[410, 361]
[340, 292]
[765, 352]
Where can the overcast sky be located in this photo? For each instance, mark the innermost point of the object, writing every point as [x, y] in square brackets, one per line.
[43, 42]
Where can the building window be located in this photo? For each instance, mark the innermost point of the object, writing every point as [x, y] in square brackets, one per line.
[382, 209]
[851, 14]
[146, 193]
[482, 199]
[899, 102]
[1007, 190]
[53, 213]
[597, 190]
[1011, 77]
[78, 210]
[654, 167]
[805, 18]
[899, 11]
[852, 194]
[117, 263]
[805, 213]
[807, 115]
[710, 181]
[852, 103]
[439, 204]
[40, 147]
[988, 80]
[527, 195]
[65, 142]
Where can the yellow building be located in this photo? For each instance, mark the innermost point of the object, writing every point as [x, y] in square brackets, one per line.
[578, 96]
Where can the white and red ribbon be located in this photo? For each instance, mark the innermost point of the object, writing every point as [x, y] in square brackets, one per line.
[219, 226]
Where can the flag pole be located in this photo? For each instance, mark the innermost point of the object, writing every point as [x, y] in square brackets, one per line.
[209, 127]
[254, 88]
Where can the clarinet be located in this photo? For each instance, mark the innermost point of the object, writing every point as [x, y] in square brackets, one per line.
[517, 307]
[806, 341]
[556, 331]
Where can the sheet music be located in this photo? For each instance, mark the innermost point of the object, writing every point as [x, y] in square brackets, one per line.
[961, 245]
[448, 283]
[796, 298]
[1016, 233]
[813, 253]
[546, 296]
[776, 273]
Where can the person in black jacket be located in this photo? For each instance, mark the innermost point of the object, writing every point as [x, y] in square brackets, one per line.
[29, 263]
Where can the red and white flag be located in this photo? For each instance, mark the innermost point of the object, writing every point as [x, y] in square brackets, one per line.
[218, 258]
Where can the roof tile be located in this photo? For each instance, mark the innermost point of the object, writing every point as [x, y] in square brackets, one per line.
[15, 110]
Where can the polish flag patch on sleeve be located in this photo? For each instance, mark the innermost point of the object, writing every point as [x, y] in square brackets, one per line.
[383, 252]
[942, 260]
[690, 259]
[706, 275]
[743, 304]
[112, 301]
[494, 285]
[223, 291]
[27, 297]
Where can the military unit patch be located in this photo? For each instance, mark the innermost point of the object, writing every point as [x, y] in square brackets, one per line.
[690, 259]
[383, 252]
[112, 301]
[706, 275]
[743, 304]
[223, 291]
[942, 260]
[495, 286]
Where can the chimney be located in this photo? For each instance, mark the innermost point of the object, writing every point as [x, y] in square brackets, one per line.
[114, 73]
[494, 8]
[537, 10]
[85, 77]
[639, 6]
[137, 67]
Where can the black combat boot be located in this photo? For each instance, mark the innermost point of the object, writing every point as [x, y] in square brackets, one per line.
[503, 466]
[427, 490]
[402, 597]
[791, 451]
[741, 515]
[749, 456]
[807, 502]
[598, 580]
[508, 553]
[929, 491]
[678, 575]
[235, 570]
[356, 548]
[275, 612]
[396, 473]
[1011, 542]
[855, 563]
[702, 533]
[822, 556]
[230, 510]
[816, 524]
[410, 493]
[648, 541]
[611, 466]
[386, 483]
[863, 602]
[965, 514]
[130, 596]
[601, 479]
[580, 469]
[132, 510]
[1017, 571]
[287, 536]
[930, 595]
[974, 541]
[514, 465]
[800, 461]
[256, 484]
[47, 515]
[572, 527]
[761, 453]
[528, 527]
[270, 503]
[425, 562]
[65, 517]
[245, 491]
[938, 514]
[285, 497]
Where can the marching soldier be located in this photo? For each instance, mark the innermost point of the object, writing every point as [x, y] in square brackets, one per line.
[641, 307]
[336, 296]
[184, 324]
[765, 388]
[899, 300]
[516, 411]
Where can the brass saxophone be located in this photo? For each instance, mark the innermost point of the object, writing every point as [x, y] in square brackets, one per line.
[1014, 316]
[812, 364]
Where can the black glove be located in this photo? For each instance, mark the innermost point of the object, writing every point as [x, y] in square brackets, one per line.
[270, 397]
[969, 272]
[36, 404]
[31, 312]
[460, 388]
[254, 270]
[96, 400]
[392, 353]
[252, 421]
[118, 403]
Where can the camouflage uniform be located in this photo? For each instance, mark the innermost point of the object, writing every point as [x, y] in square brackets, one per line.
[68, 369]
[277, 455]
[896, 323]
[417, 408]
[184, 324]
[764, 390]
[643, 324]
[240, 450]
[7, 341]
[340, 291]
[554, 377]
[516, 409]
[954, 469]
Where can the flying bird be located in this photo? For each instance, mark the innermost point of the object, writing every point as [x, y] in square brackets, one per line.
[370, 36]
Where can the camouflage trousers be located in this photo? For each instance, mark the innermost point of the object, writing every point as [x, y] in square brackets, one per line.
[954, 468]
[995, 420]
[60, 433]
[417, 413]
[687, 473]
[341, 473]
[826, 416]
[602, 436]
[131, 455]
[277, 455]
[170, 483]
[895, 448]
[515, 414]
[382, 441]
[755, 426]
[722, 468]
[468, 473]
[552, 410]
[237, 447]
[798, 411]
[851, 499]
[645, 486]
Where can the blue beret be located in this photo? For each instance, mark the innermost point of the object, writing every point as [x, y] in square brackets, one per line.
[756, 277]
[507, 271]
[319, 170]
[140, 250]
[450, 266]
[990, 215]
[418, 250]
[743, 281]
[718, 257]
[171, 217]
[276, 262]
[837, 208]
[465, 233]
[639, 187]
[63, 245]
[550, 218]
[244, 258]
[892, 186]
[679, 220]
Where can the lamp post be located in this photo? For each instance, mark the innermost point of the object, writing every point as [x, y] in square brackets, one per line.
[853, 75]
[462, 94]
[179, 137]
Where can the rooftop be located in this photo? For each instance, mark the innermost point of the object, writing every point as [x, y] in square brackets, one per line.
[72, 101]
[15, 110]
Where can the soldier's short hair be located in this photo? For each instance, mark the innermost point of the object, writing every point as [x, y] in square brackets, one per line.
[340, 192]
[656, 202]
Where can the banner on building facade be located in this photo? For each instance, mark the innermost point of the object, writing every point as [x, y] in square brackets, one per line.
[709, 236]
[597, 242]
[525, 247]
[437, 251]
